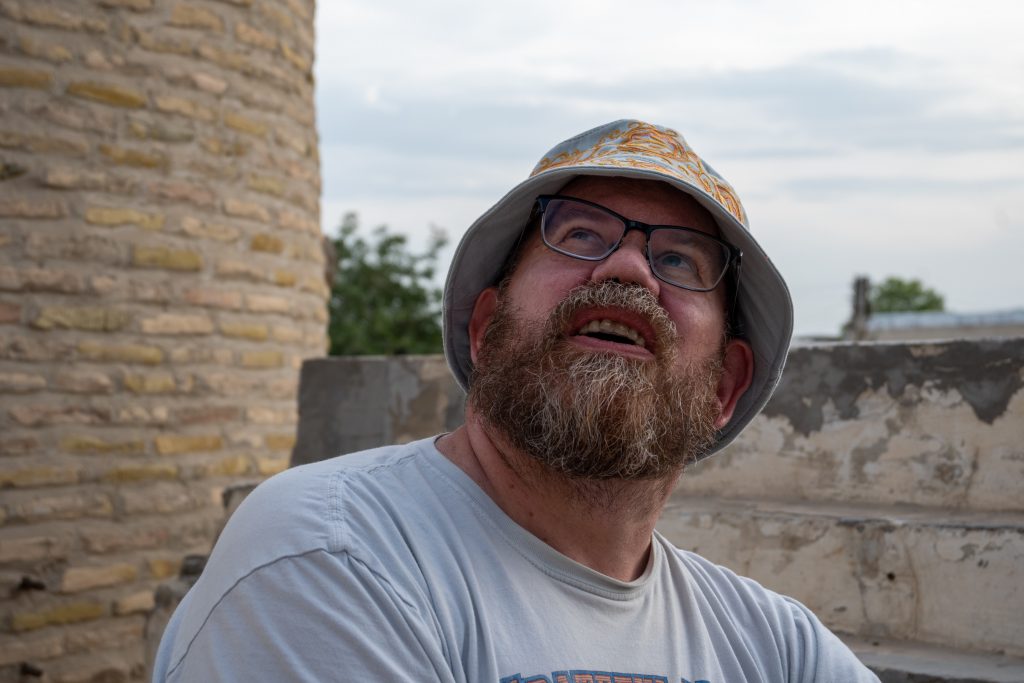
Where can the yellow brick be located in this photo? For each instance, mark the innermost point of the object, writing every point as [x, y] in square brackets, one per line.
[157, 383]
[37, 476]
[165, 257]
[135, 5]
[190, 16]
[300, 62]
[89, 444]
[266, 185]
[279, 442]
[214, 298]
[86, 318]
[287, 335]
[108, 94]
[13, 77]
[160, 42]
[253, 36]
[270, 466]
[20, 382]
[121, 353]
[175, 323]
[241, 330]
[266, 243]
[244, 124]
[262, 359]
[68, 613]
[263, 303]
[176, 444]
[256, 212]
[215, 231]
[141, 602]
[179, 105]
[77, 579]
[123, 156]
[226, 148]
[23, 208]
[142, 472]
[52, 52]
[228, 467]
[162, 568]
[284, 278]
[105, 215]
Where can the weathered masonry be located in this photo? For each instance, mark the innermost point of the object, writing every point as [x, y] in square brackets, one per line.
[161, 282]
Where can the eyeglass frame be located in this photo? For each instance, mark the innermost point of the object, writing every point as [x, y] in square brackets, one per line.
[733, 261]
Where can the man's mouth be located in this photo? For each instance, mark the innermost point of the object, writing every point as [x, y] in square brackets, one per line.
[609, 330]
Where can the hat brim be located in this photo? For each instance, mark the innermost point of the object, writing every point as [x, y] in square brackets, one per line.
[765, 305]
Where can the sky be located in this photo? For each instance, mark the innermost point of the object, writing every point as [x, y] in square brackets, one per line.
[877, 138]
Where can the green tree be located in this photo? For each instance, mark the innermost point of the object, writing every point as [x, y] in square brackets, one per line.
[897, 295]
[382, 298]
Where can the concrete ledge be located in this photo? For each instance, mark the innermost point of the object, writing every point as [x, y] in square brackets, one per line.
[902, 662]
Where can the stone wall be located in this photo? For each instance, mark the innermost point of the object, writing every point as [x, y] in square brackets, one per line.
[881, 486]
[161, 281]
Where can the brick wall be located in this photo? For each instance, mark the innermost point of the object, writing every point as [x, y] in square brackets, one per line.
[160, 283]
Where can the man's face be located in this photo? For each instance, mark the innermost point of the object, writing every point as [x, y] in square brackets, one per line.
[588, 403]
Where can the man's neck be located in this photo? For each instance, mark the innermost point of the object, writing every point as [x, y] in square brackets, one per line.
[605, 525]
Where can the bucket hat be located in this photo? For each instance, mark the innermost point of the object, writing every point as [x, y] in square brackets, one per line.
[629, 149]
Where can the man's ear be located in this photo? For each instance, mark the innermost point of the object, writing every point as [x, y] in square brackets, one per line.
[737, 373]
[483, 311]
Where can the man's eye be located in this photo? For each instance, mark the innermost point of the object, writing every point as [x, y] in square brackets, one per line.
[581, 235]
[677, 262]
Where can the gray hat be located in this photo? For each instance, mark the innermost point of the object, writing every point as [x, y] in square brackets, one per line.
[630, 149]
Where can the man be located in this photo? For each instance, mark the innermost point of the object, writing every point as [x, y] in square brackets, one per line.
[599, 319]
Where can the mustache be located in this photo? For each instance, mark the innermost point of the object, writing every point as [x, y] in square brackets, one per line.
[633, 298]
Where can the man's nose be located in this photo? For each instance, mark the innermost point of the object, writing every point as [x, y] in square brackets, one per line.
[629, 264]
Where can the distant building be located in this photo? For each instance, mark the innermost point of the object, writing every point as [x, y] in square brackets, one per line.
[943, 325]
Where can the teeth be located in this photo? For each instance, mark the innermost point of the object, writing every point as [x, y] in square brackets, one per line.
[610, 327]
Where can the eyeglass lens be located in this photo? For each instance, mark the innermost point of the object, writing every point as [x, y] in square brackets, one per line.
[682, 256]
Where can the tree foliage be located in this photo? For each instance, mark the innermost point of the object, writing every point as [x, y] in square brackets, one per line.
[897, 295]
[382, 298]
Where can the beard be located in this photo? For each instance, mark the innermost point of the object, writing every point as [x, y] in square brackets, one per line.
[590, 415]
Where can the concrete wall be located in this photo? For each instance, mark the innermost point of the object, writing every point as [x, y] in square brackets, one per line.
[882, 485]
[161, 281]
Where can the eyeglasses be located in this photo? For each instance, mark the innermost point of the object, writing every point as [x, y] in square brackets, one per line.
[684, 257]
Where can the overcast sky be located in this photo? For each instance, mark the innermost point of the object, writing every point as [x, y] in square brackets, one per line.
[871, 137]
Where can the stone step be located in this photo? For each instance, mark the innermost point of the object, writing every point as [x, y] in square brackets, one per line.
[895, 572]
[904, 662]
[935, 424]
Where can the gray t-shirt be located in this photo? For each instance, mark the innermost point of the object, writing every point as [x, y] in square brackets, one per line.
[392, 565]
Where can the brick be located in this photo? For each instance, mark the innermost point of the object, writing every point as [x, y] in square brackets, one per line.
[215, 231]
[265, 303]
[66, 613]
[9, 313]
[10, 170]
[51, 52]
[66, 178]
[290, 220]
[192, 16]
[40, 280]
[202, 354]
[77, 247]
[50, 414]
[74, 381]
[123, 156]
[56, 18]
[152, 383]
[117, 216]
[24, 477]
[160, 131]
[161, 42]
[134, 5]
[77, 579]
[284, 278]
[231, 384]
[277, 17]
[162, 568]
[25, 208]
[108, 634]
[185, 192]
[89, 318]
[177, 444]
[214, 298]
[33, 549]
[266, 243]
[294, 140]
[179, 105]
[14, 77]
[88, 444]
[208, 83]
[265, 415]
[300, 61]
[250, 35]
[279, 442]
[268, 466]
[265, 184]
[232, 466]
[242, 270]
[18, 445]
[30, 647]
[49, 144]
[141, 602]
[262, 359]
[229, 59]
[316, 285]
[244, 330]
[207, 414]
[106, 93]
[20, 382]
[177, 323]
[68, 504]
[225, 148]
[121, 353]
[256, 212]
[166, 258]
[124, 474]
[244, 124]
[162, 497]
